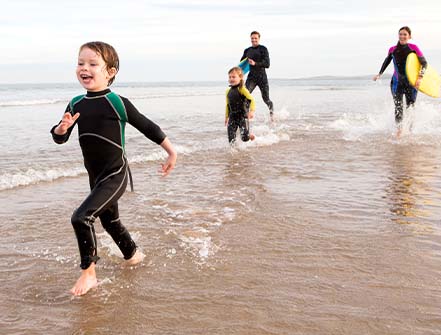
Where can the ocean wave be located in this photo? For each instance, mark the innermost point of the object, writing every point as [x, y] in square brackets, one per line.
[265, 135]
[38, 102]
[32, 176]
[14, 103]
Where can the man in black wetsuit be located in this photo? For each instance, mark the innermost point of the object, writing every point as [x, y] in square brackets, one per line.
[259, 60]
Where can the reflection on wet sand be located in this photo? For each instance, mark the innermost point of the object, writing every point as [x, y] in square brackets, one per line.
[407, 192]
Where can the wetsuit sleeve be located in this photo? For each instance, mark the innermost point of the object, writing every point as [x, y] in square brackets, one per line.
[227, 108]
[150, 129]
[265, 62]
[243, 90]
[386, 62]
[244, 55]
[421, 58]
[60, 139]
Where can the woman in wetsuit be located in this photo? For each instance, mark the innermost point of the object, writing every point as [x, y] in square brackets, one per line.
[400, 85]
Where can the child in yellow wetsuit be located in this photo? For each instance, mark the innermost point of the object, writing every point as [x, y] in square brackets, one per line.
[236, 113]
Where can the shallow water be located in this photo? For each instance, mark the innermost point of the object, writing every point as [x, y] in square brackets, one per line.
[326, 224]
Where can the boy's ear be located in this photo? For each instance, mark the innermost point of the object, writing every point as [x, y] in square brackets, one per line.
[112, 72]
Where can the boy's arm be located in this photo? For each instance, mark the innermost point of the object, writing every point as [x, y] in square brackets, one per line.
[150, 129]
[61, 131]
[227, 109]
[153, 132]
[170, 163]
[244, 91]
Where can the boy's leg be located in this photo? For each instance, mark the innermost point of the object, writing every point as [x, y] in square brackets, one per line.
[100, 198]
[245, 129]
[112, 224]
[232, 129]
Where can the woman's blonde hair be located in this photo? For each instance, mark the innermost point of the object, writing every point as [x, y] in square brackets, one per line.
[239, 71]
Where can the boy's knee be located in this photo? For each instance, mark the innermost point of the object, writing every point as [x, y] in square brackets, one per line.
[78, 219]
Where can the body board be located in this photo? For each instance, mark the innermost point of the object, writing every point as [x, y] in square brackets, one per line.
[431, 81]
[244, 65]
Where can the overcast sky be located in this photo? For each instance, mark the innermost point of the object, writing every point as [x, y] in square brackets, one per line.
[174, 40]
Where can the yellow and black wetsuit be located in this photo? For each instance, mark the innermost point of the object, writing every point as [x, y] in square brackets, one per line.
[257, 75]
[238, 100]
[101, 137]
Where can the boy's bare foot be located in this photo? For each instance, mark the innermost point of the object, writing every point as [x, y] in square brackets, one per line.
[252, 137]
[86, 281]
[399, 133]
[136, 259]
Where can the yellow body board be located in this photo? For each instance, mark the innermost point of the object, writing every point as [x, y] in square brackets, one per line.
[431, 82]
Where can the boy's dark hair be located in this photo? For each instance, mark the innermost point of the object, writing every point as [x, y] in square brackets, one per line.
[255, 33]
[108, 53]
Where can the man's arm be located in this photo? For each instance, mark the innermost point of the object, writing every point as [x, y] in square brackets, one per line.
[244, 55]
[265, 62]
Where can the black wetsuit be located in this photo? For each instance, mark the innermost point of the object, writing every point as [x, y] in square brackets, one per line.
[238, 102]
[101, 137]
[399, 84]
[257, 75]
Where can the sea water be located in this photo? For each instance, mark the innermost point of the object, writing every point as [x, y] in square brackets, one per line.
[327, 223]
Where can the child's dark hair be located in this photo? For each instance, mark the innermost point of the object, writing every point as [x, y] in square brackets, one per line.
[406, 28]
[255, 33]
[107, 52]
[239, 71]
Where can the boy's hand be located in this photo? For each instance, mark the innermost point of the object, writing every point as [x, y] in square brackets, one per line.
[226, 121]
[251, 114]
[168, 166]
[170, 163]
[66, 122]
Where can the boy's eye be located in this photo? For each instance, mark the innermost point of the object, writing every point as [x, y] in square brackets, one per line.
[80, 63]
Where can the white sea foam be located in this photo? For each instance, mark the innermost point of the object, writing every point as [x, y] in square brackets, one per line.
[424, 119]
[33, 102]
[109, 246]
[266, 135]
[160, 154]
[199, 243]
[32, 176]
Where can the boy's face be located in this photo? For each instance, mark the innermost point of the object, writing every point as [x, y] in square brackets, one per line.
[92, 72]
[233, 78]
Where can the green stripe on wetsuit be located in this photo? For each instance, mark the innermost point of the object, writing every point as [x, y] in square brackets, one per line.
[118, 106]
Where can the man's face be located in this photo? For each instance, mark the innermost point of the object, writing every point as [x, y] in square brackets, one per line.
[255, 39]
